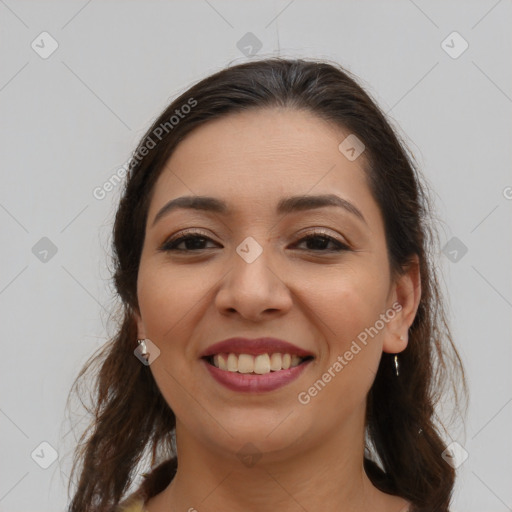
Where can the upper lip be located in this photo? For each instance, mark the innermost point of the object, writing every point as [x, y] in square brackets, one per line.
[254, 347]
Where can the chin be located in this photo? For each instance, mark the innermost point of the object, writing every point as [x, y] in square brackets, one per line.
[264, 438]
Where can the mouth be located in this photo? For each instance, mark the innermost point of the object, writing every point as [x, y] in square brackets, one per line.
[255, 365]
[255, 374]
[260, 364]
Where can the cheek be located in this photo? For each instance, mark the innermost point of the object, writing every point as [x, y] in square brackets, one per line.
[347, 310]
[166, 296]
[348, 304]
[167, 300]
[345, 373]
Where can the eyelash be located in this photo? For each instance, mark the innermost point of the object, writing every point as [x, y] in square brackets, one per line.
[171, 245]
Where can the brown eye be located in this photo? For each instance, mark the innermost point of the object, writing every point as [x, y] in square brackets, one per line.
[192, 242]
[319, 242]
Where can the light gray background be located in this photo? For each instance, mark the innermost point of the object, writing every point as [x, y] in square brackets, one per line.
[70, 121]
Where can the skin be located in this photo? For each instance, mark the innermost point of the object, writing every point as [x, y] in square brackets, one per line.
[310, 454]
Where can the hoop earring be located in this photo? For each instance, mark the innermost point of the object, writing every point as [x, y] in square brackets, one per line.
[396, 365]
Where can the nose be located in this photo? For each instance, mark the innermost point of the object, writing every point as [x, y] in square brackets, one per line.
[253, 290]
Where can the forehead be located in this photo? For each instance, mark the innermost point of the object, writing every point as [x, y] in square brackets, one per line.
[255, 158]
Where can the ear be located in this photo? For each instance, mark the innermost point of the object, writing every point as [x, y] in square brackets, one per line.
[406, 291]
[141, 329]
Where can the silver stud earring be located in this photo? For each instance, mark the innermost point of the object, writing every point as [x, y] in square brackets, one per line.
[144, 349]
[396, 364]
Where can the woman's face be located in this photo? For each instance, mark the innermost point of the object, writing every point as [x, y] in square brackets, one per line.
[250, 272]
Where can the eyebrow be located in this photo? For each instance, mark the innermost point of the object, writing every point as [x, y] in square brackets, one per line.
[286, 205]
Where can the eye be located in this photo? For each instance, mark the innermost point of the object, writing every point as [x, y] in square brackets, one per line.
[194, 241]
[319, 241]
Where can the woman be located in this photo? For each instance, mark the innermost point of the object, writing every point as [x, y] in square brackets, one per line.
[283, 341]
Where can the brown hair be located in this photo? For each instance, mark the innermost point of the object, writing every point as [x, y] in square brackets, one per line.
[132, 419]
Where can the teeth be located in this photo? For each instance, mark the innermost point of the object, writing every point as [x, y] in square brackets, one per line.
[220, 361]
[232, 363]
[295, 360]
[245, 363]
[223, 362]
[275, 362]
[260, 364]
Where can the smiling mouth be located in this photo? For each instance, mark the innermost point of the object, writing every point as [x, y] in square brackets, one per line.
[256, 365]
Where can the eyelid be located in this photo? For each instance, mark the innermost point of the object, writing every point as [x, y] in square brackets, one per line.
[304, 232]
[303, 236]
[326, 232]
[188, 231]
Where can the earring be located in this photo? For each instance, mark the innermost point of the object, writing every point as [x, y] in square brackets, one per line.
[144, 349]
[396, 364]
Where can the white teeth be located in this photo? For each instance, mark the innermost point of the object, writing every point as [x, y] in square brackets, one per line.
[245, 363]
[295, 360]
[260, 364]
[276, 362]
[232, 363]
[223, 362]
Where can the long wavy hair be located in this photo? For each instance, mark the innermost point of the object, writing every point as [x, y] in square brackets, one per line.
[132, 427]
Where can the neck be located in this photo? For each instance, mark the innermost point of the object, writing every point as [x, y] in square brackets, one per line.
[330, 473]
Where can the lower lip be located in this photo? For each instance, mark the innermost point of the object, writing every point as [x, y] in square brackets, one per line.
[251, 383]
